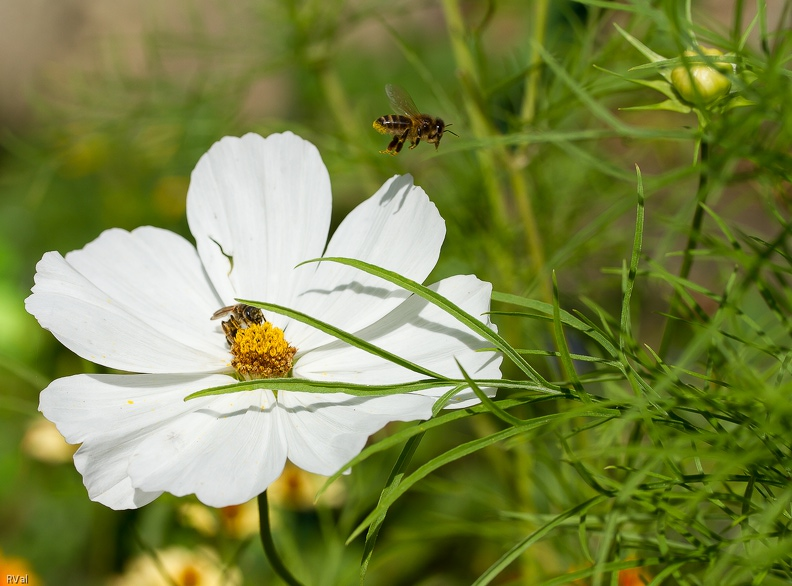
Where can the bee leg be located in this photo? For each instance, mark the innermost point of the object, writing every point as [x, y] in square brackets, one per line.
[400, 140]
[414, 143]
[230, 331]
[230, 328]
[394, 147]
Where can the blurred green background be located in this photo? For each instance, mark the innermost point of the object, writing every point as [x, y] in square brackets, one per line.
[105, 109]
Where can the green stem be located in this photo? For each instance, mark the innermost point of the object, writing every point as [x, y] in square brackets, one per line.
[524, 462]
[497, 156]
[692, 243]
[522, 197]
[340, 106]
[479, 124]
[269, 545]
[533, 240]
[538, 26]
[698, 215]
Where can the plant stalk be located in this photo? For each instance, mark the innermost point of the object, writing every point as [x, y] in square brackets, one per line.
[265, 530]
[692, 243]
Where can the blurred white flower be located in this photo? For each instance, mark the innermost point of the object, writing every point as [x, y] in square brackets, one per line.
[141, 302]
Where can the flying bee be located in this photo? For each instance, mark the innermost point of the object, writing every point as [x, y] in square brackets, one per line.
[408, 123]
[240, 316]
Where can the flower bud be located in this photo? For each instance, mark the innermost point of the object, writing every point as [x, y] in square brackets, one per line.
[701, 83]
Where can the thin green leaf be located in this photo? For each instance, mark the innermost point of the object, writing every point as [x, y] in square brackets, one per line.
[461, 451]
[663, 86]
[672, 105]
[452, 309]
[563, 348]
[405, 434]
[342, 335]
[625, 331]
[565, 317]
[446, 458]
[487, 402]
[520, 547]
[310, 386]
[394, 478]
[646, 51]
[596, 108]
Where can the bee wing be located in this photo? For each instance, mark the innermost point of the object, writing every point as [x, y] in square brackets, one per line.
[401, 101]
[222, 312]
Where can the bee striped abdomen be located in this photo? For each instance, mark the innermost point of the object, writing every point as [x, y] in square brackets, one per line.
[392, 124]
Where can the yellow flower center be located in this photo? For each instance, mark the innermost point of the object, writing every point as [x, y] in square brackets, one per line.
[261, 351]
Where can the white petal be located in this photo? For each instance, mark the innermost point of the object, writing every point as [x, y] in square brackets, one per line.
[422, 333]
[324, 432]
[136, 301]
[110, 415]
[140, 438]
[226, 452]
[257, 207]
[399, 229]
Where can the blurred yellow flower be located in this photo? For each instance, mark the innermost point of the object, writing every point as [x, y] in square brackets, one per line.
[42, 441]
[178, 566]
[198, 517]
[296, 489]
[240, 521]
[235, 521]
[16, 570]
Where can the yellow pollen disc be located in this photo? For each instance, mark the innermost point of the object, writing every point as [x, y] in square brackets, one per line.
[261, 351]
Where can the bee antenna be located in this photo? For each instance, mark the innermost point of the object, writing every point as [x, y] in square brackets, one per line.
[451, 132]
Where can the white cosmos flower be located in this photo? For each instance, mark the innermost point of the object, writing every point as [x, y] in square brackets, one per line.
[141, 302]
